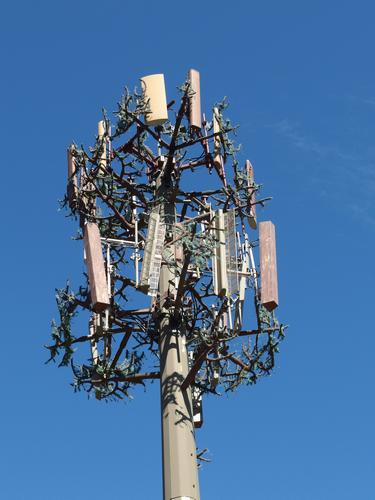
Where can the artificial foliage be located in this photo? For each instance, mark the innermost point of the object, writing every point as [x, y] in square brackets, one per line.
[222, 356]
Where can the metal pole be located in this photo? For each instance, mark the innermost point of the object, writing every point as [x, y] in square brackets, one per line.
[180, 472]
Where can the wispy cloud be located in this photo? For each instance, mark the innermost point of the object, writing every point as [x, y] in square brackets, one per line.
[363, 100]
[346, 178]
[292, 131]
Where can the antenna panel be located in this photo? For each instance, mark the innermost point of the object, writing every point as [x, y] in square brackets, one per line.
[195, 117]
[102, 142]
[196, 395]
[154, 93]
[231, 251]
[245, 267]
[149, 251]
[95, 268]
[252, 217]
[156, 260]
[214, 254]
[72, 188]
[197, 407]
[268, 269]
[220, 257]
[238, 318]
[217, 142]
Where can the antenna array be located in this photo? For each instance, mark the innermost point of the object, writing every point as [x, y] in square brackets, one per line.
[196, 252]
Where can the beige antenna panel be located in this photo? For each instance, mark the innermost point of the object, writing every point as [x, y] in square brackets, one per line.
[153, 87]
[268, 268]
[195, 116]
[252, 217]
[71, 163]
[95, 268]
[101, 128]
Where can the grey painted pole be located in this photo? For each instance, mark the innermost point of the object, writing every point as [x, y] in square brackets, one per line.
[180, 472]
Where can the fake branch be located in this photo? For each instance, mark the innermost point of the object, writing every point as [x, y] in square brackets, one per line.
[117, 187]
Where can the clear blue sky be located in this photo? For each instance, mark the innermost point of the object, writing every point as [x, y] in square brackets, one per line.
[301, 82]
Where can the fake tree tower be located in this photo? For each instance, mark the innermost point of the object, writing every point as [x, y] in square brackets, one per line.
[168, 219]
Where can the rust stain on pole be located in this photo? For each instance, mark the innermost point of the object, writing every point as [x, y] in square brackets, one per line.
[268, 267]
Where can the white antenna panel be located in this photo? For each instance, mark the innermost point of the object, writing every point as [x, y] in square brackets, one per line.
[231, 251]
[149, 251]
[220, 268]
[238, 319]
[156, 260]
[213, 232]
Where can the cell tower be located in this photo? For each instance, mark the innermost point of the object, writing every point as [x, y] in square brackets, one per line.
[172, 292]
